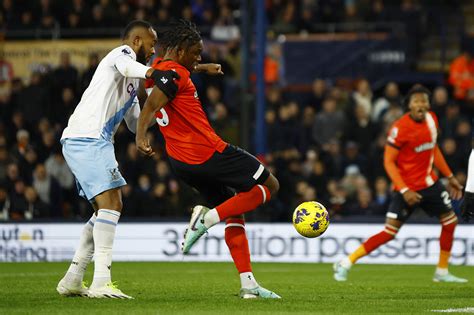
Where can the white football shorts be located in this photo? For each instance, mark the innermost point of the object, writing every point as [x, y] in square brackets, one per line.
[93, 163]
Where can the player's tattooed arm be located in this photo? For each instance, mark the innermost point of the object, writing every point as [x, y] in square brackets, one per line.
[153, 103]
[209, 68]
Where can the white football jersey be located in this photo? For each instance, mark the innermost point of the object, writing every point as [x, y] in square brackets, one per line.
[109, 98]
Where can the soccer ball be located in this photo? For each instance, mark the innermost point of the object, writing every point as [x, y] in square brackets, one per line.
[311, 219]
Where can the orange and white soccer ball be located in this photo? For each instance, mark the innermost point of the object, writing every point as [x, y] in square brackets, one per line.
[311, 219]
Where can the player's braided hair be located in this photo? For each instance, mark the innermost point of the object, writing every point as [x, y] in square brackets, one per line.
[179, 33]
[164, 38]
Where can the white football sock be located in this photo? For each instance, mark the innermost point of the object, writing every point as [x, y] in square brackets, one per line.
[346, 263]
[247, 280]
[104, 234]
[441, 271]
[83, 254]
[211, 218]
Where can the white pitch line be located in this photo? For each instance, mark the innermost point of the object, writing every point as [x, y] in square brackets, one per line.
[456, 310]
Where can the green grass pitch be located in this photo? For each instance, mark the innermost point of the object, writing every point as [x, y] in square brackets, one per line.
[211, 288]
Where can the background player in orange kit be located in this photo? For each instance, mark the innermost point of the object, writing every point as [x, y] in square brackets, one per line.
[201, 158]
[410, 153]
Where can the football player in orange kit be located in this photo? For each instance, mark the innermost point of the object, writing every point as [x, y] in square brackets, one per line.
[410, 153]
[202, 159]
[163, 42]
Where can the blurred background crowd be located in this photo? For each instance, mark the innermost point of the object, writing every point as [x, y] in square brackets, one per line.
[284, 16]
[324, 142]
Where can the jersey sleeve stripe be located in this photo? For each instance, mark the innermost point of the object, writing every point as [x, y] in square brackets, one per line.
[263, 193]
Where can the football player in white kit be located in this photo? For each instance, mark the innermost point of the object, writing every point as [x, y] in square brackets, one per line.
[112, 96]
[467, 206]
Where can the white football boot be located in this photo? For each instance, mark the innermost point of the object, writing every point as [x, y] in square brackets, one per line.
[108, 291]
[258, 293]
[70, 288]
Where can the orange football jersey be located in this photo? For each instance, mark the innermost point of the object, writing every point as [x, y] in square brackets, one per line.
[189, 136]
[416, 142]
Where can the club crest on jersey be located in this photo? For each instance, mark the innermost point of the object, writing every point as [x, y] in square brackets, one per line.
[131, 90]
[424, 147]
[393, 135]
[114, 174]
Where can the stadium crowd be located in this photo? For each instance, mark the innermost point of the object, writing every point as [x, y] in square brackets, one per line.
[214, 17]
[324, 145]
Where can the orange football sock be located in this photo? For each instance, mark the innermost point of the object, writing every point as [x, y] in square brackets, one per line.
[357, 254]
[243, 202]
[443, 259]
[379, 239]
[448, 225]
[238, 244]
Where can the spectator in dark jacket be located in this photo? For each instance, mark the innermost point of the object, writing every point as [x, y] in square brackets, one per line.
[66, 74]
[48, 190]
[34, 101]
[329, 123]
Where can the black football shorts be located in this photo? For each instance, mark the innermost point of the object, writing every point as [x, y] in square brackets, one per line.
[217, 179]
[435, 202]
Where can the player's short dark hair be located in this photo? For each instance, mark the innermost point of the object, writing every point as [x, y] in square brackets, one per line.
[178, 33]
[415, 89]
[134, 24]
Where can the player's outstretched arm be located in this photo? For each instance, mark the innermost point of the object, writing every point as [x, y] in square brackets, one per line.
[209, 68]
[130, 68]
[440, 163]
[154, 103]
[390, 158]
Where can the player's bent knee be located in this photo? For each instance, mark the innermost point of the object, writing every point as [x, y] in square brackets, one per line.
[449, 222]
[390, 231]
[110, 199]
[450, 226]
[118, 205]
[111, 204]
[272, 184]
[276, 188]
